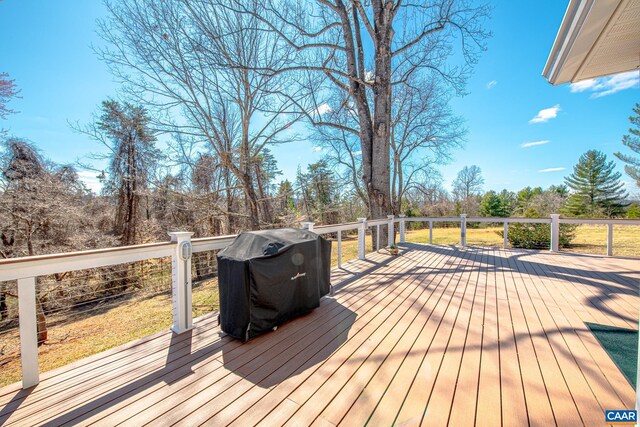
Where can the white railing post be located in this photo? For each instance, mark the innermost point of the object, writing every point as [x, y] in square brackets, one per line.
[555, 233]
[391, 231]
[362, 236]
[307, 225]
[463, 230]
[609, 239]
[505, 235]
[28, 331]
[378, 237]
[402, 229]
[181, 282]
[431, 232]
[339, 248]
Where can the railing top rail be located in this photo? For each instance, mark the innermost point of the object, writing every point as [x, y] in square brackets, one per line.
[42, 265]
[203, 244]
[332, 228]
[374, 222]
[524, 220]
[434, 219]
[511, 220]
[60, 255]
[599, 221]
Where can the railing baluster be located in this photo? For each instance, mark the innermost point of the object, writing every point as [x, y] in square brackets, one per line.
[28, 331]
[555, 233]
[463, 230]
[378, 237]
[609, 239]
[339, 248]
[431, 232]
[505, 234]
[391, 232]
[402, 228]
[362, 234]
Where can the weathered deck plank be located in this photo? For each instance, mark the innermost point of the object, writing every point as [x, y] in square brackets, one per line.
[440, 335]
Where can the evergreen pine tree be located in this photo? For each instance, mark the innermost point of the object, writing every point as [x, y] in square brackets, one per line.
[632, 140]
[597, 189]
[495, 205]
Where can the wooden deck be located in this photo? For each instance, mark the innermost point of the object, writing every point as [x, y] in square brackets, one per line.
[436, 336]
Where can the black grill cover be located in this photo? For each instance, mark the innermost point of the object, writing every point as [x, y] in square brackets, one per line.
[268, 277]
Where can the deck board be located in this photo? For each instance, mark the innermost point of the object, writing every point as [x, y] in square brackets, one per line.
[437, 336]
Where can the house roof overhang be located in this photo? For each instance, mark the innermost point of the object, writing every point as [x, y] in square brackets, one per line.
[596, 38]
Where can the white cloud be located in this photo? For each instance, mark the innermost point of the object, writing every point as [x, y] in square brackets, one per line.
[357, 153]
[546, 114]
[534, 143]
[316, 148]
[551, 170]
[90, 179]
[583, 85]
[369, 76]
[492, 84]
[604, 86]
[323, 109]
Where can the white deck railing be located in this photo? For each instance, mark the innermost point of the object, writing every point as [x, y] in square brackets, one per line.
[25, 270]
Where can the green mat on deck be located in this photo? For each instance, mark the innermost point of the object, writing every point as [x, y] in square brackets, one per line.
[622, 346]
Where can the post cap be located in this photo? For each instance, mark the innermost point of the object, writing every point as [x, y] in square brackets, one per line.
[390, 217]
[179, 235]
[402, 216]
[463, 215]
[307, 224]
[556, 216]
[361, 219]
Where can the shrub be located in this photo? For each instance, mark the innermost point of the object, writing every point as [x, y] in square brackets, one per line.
[537, 236]
[633, 211]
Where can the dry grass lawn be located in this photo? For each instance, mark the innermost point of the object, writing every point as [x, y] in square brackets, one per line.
[80, 337]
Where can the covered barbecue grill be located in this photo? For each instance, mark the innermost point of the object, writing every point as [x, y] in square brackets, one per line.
[268, 277]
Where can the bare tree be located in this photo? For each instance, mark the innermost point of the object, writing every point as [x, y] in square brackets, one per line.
[192, 63]
[367, 50]
[41, 211]
[423, 133]
[468, 182]
[430, 198]
[467, 188]
[8, 91]
[123, 128]
[211, 182]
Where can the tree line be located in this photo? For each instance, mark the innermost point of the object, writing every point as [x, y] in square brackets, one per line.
[593, 190]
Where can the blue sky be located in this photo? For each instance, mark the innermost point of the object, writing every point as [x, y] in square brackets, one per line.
[46, 48]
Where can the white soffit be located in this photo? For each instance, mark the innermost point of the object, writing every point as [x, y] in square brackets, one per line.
[596, 38]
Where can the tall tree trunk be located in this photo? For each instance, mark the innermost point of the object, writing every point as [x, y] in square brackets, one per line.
[251, 201]
[379, 176]
[374, 134]
[265, 203]
[246, 162]
[228, 225]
